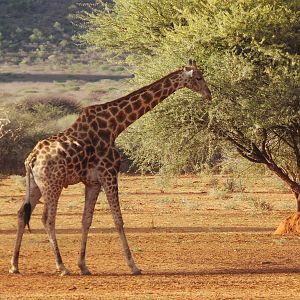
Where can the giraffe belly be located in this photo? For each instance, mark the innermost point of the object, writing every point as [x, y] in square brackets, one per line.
[92, 177]
[71, 178]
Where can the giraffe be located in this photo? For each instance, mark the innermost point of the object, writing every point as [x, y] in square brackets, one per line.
[86, 152]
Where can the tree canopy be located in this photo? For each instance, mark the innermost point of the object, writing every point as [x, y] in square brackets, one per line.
[249, 52]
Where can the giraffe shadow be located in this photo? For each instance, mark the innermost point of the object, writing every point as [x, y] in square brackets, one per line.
[230, 271]
[216, 272]
[151, 230]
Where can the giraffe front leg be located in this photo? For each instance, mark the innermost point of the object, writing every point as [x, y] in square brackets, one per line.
[130, 261]
[111, 190]
[91, 195]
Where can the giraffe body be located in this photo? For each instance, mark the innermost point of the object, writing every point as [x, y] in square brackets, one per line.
[86, 153]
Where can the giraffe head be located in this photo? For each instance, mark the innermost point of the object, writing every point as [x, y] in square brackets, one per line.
[194, 80]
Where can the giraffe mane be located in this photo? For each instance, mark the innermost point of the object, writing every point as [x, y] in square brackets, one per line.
[145, 87]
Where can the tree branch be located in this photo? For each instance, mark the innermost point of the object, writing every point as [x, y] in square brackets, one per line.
[249, 157]
[296, 149]
[280, 137]
[295, 187]
[253, 155]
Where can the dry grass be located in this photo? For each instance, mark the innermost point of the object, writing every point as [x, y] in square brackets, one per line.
[68, 103]
[89, 85]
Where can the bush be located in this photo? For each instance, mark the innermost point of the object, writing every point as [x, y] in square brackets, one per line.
[253, 75]
[29, 122]
[66, 103]
[172, 138]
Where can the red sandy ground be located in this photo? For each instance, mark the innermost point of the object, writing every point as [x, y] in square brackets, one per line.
[189, 241]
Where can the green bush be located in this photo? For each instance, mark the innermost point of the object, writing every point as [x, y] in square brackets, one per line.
[249, 52]
[172, 139]
[28, 123]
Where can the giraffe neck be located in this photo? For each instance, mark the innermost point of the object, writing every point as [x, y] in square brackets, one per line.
[128, 109]
[110, 119]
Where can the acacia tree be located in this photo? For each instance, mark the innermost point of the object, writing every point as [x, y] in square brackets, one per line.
[249, 51]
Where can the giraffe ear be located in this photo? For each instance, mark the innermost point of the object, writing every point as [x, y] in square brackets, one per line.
[192, 63]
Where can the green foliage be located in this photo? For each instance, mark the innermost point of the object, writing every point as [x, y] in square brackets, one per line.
[36, 35]
[24, 125]
[249, 51]
[173, 149]
[26, 26]
[58, 26]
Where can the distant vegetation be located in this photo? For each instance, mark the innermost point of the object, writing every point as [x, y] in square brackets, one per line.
[37, 38]
[30, 121]
[33, 30]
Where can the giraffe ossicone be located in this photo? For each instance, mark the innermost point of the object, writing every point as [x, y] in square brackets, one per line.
[86, 153]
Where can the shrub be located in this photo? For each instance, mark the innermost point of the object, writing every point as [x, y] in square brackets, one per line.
[66, 103]
[31, 121]
[261, 205]
[253, 74]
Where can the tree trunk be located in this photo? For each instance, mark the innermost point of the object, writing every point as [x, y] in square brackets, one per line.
[298, 201]
[295, 187]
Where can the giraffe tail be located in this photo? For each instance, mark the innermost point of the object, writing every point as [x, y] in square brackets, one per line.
[27, 205]
[27, 215]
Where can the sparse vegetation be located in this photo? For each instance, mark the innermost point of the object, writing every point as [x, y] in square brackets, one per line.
[24, 128]
[217, 192]
[233, 184]
[67, 104]
[40, 30]
[164, 181]
[173, 241]
[20, 182]
[260, 204]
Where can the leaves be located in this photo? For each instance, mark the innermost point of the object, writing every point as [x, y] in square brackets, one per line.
[250, 54]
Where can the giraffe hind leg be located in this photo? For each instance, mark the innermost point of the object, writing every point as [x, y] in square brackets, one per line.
[35, 195]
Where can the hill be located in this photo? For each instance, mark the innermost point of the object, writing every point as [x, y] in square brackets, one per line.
[37, 26]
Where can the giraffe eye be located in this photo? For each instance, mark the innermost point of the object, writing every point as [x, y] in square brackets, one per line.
[198, 78]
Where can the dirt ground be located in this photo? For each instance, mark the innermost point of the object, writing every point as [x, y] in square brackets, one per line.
[192, 238]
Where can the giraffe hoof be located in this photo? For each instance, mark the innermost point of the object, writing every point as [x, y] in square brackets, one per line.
[86, 272]
[14, 271]
[137, 272]
[65, 273]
